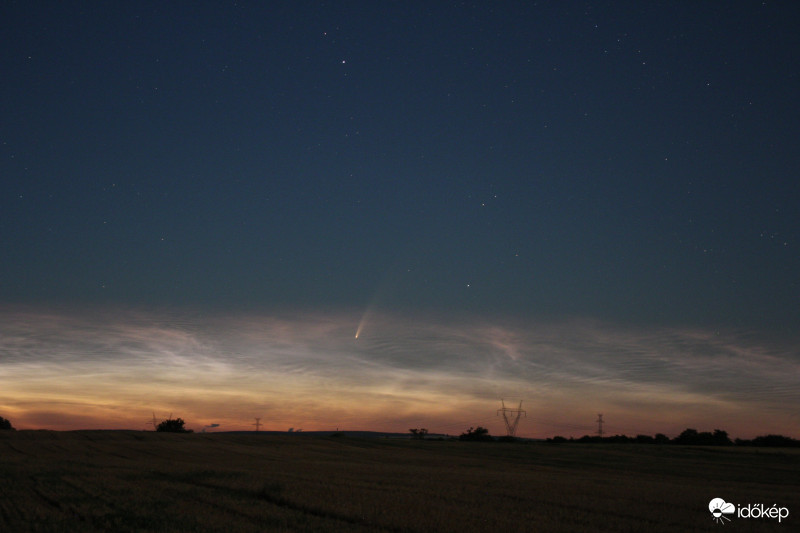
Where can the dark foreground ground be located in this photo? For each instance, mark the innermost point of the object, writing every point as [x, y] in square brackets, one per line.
[144, 481]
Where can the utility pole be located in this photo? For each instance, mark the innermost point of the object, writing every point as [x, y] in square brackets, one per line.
[600, 425]
[511, 424]
[257, 424]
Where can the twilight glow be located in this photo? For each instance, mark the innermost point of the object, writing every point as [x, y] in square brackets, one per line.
[69, 371]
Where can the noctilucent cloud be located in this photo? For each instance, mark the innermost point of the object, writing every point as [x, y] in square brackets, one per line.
[391, 215]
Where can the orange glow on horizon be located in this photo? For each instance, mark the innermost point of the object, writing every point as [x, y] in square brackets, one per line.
[92, 372]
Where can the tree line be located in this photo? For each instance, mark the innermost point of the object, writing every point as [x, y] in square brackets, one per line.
[689, 436]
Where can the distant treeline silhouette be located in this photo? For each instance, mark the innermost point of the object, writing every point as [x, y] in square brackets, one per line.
[688, 436]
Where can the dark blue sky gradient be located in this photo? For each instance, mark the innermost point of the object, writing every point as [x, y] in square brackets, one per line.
[627, 161]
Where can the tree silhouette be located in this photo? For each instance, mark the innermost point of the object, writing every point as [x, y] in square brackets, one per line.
[479, 434]
[720, 438]
[687, 436]
[173, 426]
[418, 433]
[6, 424]
[705, 438]
[660, 438]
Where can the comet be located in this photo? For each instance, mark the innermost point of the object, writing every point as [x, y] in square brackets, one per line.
[363, 322]
[389, 281]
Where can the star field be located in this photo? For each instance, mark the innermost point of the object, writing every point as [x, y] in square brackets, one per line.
[544, 161]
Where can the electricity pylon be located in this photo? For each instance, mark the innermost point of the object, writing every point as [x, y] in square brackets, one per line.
[257, 424]
[513, 422]
[600, 425]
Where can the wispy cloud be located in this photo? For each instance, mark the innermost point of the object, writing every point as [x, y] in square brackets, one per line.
[112, 368]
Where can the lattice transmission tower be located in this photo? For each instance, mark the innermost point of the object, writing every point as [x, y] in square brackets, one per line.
[600, 425]
[155, 422]
[511, 417]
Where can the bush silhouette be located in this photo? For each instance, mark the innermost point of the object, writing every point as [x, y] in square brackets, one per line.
[5, 424]
[173, 426]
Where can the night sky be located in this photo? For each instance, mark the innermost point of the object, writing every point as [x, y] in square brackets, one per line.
[587, 206]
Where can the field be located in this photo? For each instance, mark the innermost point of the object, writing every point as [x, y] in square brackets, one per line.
[146, 481]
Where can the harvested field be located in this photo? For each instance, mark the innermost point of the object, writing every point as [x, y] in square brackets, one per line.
[144, 481]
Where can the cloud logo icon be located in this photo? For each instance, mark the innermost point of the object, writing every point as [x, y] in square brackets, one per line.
[719, 508]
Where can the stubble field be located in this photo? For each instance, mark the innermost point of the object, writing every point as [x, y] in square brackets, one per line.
[144, 481]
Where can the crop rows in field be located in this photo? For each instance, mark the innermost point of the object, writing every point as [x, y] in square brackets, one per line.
[144, 481]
